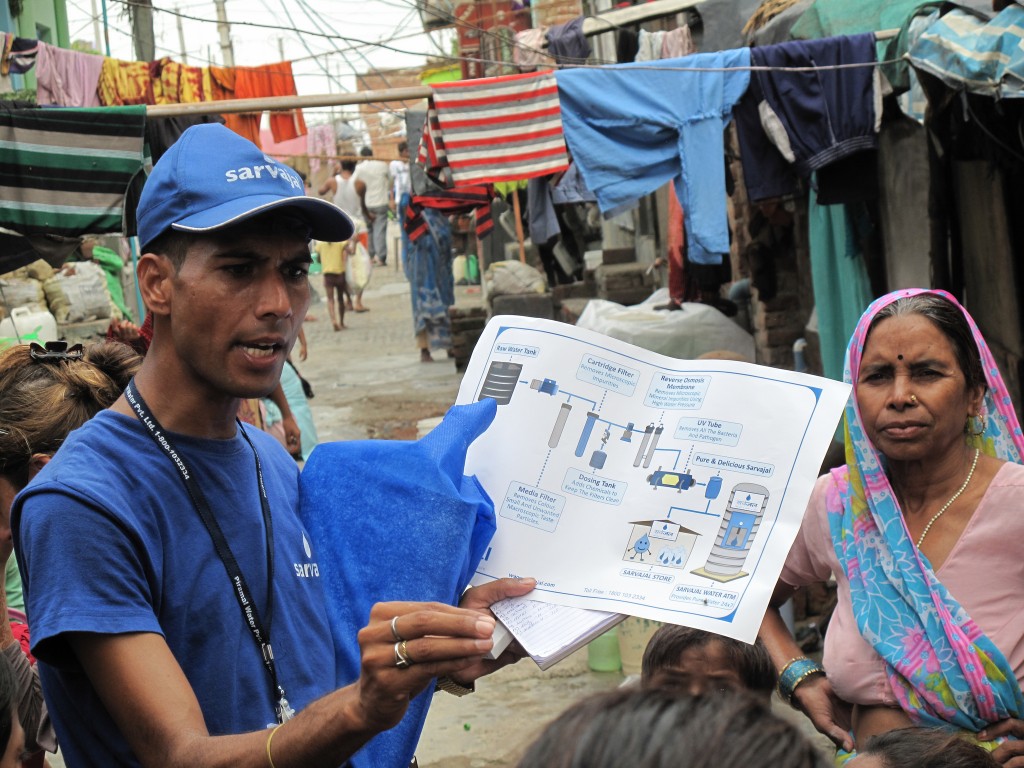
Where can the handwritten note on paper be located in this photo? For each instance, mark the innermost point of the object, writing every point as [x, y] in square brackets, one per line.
[550, 632]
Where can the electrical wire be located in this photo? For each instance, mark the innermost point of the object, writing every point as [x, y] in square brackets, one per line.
[357, 74]
[305, 9]
[304, 6]
[354, 40]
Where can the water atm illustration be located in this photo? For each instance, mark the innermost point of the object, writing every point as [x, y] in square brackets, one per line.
[739, 526]
[663, 542]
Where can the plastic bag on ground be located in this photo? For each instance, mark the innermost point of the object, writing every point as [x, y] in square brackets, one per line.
[80, 295]
[18, 291]
[684, 334]
[506, 278]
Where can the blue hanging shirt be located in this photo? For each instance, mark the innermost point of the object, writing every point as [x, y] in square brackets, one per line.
[633, 127]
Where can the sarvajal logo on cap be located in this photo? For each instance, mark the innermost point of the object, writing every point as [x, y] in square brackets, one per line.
[272, 169]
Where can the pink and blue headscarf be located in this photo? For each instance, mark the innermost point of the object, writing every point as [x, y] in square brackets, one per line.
[943, 670]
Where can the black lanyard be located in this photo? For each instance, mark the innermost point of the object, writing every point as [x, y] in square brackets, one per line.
[220, 543]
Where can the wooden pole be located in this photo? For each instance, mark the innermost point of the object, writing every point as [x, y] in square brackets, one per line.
[605, 22]
[230, 106]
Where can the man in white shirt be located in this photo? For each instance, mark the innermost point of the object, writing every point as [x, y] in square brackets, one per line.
[373, 185]
[342, 189]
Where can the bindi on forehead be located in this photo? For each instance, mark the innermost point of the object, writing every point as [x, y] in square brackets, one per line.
[899, 357]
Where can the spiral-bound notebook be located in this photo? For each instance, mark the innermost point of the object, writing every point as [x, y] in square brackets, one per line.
[547, 632]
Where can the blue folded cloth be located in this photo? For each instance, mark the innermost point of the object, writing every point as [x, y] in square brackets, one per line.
[395, 520]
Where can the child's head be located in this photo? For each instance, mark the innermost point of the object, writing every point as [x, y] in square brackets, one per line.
[694, 661]
[659, 728]
[922, 748]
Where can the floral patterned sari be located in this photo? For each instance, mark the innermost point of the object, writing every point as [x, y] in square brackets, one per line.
[943, 670]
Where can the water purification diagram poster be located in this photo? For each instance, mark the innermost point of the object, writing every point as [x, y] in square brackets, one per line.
[630, 482]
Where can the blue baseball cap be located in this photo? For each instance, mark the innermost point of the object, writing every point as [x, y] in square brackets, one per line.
[212, 178]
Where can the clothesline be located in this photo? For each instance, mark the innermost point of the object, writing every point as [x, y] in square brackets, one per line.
[416, 93]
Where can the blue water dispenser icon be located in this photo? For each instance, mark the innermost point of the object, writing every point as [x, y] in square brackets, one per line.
[742, 518]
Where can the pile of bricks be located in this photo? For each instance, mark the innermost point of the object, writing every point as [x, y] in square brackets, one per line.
[776, 326]
[467, 325]
[571, 299]
[620, 278]
[525, 304]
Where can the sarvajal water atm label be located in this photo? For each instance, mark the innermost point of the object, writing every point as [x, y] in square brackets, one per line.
[745, 466]
[608, 375]
[703, 430]
[709, 596]
[602, 489]
[532, 506]
[516, 349]
[677, 391]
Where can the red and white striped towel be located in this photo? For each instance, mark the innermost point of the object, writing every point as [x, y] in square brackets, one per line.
[500, 128]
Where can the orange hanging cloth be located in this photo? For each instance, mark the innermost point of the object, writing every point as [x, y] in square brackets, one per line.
[676, 249]
[272, 80]
[223, 87]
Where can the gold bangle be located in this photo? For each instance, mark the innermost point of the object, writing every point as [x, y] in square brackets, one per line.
[270, 738]
[790, 663]
[448, 685]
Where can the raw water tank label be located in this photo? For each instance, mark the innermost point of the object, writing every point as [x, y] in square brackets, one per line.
[677, 391]
[608, 375]
[580, 483]
[704, 430]
[745, 466]
[532, 506]
[516, 349]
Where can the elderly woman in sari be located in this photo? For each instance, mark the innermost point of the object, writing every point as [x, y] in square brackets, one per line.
[921, 528]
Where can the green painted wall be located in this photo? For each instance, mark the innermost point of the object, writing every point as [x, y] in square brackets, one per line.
[46, 20]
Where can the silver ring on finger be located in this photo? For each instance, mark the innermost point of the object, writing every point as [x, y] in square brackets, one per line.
[402, 658]
[394, 630]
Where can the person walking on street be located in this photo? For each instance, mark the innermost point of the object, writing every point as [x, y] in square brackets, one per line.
[373, 185]
[332, 260]
[342, 189]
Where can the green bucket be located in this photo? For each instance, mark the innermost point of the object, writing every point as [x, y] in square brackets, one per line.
[472, 269]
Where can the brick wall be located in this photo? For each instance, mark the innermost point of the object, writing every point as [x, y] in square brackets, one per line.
[776, 323]
[384, 136]
[548, 13]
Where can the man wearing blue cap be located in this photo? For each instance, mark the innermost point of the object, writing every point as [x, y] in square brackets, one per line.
[176, 603]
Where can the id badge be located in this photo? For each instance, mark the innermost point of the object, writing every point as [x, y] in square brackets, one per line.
[284, 710]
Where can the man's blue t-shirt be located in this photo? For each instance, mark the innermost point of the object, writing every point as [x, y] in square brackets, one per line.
[109, 542]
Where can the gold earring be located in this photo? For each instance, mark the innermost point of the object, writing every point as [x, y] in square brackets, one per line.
[981, 419]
